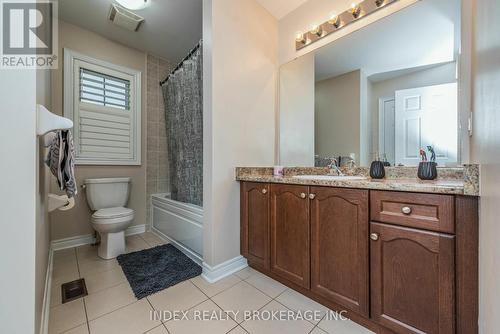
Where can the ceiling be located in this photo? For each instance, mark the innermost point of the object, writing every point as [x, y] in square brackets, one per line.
[171, 28]
[423, 34]
[279, 8]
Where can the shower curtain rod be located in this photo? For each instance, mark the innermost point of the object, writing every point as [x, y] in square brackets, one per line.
[182, 62]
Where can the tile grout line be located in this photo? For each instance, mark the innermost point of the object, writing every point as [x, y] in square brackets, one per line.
[83, 298]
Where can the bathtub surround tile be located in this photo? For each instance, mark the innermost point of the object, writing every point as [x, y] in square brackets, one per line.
[66, 316]
[163, 185]
[131, 319]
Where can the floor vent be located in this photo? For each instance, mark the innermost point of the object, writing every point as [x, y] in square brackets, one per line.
[73, 290]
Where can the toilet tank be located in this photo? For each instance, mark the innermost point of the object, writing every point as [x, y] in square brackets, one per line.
[107, 192]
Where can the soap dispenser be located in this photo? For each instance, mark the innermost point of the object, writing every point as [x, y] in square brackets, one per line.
[377, 169]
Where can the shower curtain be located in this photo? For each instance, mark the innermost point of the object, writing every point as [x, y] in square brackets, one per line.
[183, 95]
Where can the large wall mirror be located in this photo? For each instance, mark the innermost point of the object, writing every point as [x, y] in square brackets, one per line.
[385, 90]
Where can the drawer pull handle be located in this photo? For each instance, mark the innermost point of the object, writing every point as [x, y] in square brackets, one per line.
[312, 196]
[264, 191]
[303, 195]
[374, 236]
[406, 210]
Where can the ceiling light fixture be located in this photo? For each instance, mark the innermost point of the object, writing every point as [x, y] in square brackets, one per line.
[134, 4]
[337, 21]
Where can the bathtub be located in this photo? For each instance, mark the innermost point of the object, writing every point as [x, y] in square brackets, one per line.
[180, 223]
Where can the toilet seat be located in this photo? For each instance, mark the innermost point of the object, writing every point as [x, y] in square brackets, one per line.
[110, 216]
[113, 212]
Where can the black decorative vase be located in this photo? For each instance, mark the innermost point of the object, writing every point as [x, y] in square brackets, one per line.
[427, 170]
[377, 170]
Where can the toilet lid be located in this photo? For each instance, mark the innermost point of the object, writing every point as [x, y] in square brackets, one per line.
[113, 212]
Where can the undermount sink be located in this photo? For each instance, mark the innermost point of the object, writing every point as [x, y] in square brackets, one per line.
[330, 177]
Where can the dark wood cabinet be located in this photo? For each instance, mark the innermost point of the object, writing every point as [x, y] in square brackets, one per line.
[339, 246]
[290, 233]
[398, 262]
[255, 223]
[412, 279]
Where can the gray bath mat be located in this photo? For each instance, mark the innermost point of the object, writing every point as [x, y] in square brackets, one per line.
[152, 270]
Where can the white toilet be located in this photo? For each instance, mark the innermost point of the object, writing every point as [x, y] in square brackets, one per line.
[108, 197]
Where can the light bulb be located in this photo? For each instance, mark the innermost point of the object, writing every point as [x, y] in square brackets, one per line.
[355, 10]
[316, 30]
[299, 38]
[334, 20]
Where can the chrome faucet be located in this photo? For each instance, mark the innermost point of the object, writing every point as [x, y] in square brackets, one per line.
[333, 167]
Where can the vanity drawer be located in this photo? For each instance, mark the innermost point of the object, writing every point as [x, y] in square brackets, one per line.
[425, 211]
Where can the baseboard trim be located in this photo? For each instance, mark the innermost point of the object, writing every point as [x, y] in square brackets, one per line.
[44, 324]
[136, 229]
[189, 253]
[214, 273]
[89, 238]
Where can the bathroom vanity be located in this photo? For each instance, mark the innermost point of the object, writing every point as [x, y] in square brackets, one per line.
[400, 255]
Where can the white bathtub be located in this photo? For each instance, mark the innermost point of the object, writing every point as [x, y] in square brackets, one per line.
[180, 223]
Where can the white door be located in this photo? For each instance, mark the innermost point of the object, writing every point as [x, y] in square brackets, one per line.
[386, 128]
[427, 116]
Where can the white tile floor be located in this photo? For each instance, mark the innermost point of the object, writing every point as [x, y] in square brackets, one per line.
[111, 306]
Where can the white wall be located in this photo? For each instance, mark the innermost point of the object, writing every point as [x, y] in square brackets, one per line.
[296, 114]
[18, 201]
[485, 149]
[240, 66]
[43, 97]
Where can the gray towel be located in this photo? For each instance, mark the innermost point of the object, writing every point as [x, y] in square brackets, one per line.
[61, 161]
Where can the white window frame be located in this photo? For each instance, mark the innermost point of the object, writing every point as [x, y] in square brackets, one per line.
[71, 59]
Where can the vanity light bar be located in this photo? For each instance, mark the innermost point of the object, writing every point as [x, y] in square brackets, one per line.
[358, 10]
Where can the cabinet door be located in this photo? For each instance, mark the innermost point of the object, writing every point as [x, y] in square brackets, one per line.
[412, 273]
[339, 246]
[290, 233]
[255, 223]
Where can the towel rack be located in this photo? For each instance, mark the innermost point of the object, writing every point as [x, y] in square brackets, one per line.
[48, 122]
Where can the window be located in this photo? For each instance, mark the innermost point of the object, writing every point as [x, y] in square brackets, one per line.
[103, 100]
[104, 90]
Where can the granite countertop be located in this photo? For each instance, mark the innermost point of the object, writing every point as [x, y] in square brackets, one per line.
[459, 181]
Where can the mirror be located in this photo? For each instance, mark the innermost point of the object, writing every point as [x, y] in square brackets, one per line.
[386, 90]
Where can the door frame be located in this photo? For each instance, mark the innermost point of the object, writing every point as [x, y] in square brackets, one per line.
[381, 119]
